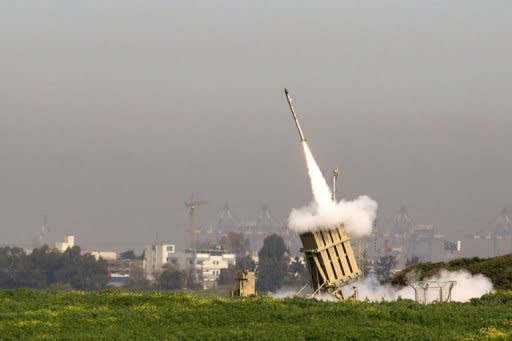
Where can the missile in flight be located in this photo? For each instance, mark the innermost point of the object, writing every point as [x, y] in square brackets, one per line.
[289, 99]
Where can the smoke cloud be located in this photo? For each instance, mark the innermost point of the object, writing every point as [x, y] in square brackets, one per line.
[357, 215]
[467, 286]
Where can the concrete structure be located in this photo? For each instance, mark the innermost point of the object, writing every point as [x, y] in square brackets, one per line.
[69, 242]
[330, 260]
[245, 284]
[155, 257]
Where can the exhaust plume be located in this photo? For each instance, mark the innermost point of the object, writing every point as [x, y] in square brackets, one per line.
[467, 286]
[357, 215]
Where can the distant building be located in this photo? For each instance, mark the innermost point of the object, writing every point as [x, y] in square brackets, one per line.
[493, 240]
[502, 241]
[69, 242]
[106, 255]
[123, 266]
[421, 243]
[156, 256]
[206, 264]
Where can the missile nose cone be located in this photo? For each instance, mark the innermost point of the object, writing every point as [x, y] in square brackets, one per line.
[285, 91]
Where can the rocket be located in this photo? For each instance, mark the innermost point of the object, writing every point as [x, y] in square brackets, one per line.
[289, 99]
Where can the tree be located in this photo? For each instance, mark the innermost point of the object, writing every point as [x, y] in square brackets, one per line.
[273, 264]
[13, 272]
[82, 271]
[227, 276]
[411, 261]
[172, 278]
[44, 267]
[130, 254]
[384, 265]
[193, 280]
[137, 278]
[245, 262]
[297, 273]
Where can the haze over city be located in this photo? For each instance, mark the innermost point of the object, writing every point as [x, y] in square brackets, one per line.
[113, 116]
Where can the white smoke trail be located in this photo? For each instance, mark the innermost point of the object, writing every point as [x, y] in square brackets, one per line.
[357, 215]
[321, 191]
[467, 286]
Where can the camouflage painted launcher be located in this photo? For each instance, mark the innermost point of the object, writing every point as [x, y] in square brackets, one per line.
[330, 260]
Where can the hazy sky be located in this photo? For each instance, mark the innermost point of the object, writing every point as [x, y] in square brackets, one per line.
[114, 112]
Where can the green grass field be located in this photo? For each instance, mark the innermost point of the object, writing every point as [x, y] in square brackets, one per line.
[27, 314]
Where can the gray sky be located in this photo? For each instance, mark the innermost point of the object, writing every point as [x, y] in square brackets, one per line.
[114, 112]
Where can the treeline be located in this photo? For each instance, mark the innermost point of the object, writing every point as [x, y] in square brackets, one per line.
[49, 268]
[497, 269]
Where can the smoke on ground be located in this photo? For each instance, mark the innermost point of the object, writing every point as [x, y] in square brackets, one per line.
[357, 215]
[467, 286]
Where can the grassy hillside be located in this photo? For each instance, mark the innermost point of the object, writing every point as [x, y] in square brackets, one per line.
[128, 315]
[498, 269]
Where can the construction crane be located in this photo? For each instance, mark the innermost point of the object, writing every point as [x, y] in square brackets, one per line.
[192, 205]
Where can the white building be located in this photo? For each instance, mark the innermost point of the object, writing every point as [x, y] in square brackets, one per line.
[208, 265]
[69, 242]
[106, 255]
[156, 256]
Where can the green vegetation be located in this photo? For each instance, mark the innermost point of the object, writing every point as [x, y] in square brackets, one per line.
[273, 264]
[44, 268]
[498, 269]
[109, 315]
